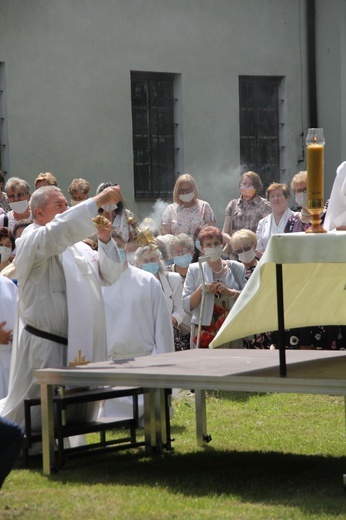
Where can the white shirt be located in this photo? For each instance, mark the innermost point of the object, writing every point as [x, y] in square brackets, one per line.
[268, 227]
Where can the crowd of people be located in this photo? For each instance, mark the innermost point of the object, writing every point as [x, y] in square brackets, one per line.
[79, 276]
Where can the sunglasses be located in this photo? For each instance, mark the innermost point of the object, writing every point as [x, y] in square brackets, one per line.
[244, 250]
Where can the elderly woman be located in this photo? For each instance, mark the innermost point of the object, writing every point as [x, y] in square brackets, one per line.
[181, 249]
[248, 209]
[6, 247]
[45, 179]
[243, 244]
[149, 258]
[188, 212]
[79, 190]
[300, 221]
[275, 223]
[18, 195]
[119, 216]
[224, 279]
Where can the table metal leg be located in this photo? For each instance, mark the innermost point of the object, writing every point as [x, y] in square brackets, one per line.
[344, 476]
[201, 418]
[47, 428]
[155, 420]
[281, 319]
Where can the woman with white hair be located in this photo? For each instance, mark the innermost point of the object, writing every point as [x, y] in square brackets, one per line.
[149, 258]
[181, 250]
[243, 244]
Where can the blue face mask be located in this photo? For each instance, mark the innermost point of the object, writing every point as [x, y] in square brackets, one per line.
[151, 267]
[183, 260]
[198, 245]
[169, 261]
[122, 254]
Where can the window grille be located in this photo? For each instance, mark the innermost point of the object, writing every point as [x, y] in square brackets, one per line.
[259, 126]
[153, 130]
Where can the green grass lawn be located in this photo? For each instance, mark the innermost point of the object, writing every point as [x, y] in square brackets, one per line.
[272, 456]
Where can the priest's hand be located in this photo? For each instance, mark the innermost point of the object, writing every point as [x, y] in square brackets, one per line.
[110, 195]
[104, 228]
[6, 335]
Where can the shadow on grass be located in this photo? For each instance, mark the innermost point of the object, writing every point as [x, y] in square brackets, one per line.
[312, 483]
[241, 397]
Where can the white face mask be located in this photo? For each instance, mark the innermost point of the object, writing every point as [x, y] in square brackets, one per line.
[5, 253]
[301, 199]
[75, 202]
[20, 206]
[213, 252]
[247, 256]
[187, 197]
[109, 207]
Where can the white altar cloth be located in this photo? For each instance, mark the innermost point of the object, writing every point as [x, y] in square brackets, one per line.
[314, 286]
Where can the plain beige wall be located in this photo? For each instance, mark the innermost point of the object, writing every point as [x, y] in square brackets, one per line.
[68, 66]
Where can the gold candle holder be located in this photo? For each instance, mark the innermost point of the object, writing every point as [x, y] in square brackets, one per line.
[315, 181]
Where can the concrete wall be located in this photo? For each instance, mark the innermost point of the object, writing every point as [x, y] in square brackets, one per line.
[331, 83]
[68, 66]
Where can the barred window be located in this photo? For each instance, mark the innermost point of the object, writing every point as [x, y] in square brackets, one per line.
[259, 126]
[153, 130]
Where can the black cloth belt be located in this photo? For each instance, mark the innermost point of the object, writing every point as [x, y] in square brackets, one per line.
[45, 335]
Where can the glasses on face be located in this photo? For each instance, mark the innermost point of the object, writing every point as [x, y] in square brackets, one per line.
[300, 191]
[249, 185]
[244, 250]
[13, 196]
[186, 190]
[180, 252]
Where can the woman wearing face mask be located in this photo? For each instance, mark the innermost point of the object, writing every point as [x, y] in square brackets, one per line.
[149, 258]
[188, 212]
[301, 220]
[18, 194]
[244, 243]
[224, 280]
[246, 211]
[119, 216]
[275, 223]
[181, 249]
[6, 247]
[79, 190]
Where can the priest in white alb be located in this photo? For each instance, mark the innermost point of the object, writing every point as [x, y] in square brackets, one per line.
[61, 312]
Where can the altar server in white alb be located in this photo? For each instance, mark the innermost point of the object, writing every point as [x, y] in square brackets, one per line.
[138, 323]
[138, 318]
[8, 305]
[60, 300]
